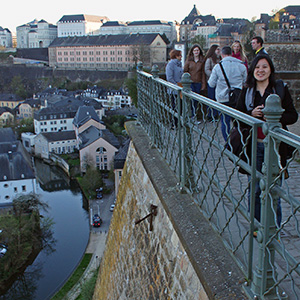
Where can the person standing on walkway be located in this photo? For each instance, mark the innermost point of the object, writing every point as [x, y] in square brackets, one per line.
[260, 84]
[257, 45]
[194, 65]
[236, 74]
[212, 57]
[174, 73]
[238, 52]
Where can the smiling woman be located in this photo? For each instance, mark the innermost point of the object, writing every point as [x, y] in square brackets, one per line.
[260, 84]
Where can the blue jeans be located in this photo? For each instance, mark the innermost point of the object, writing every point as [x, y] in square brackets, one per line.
[211, 94]
[196, 88]
[225, 124]
[257, 208]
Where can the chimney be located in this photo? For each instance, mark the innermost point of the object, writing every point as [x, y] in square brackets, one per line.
[9, 155]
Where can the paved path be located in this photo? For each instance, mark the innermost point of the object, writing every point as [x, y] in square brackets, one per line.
[295, 128]
[95, 246]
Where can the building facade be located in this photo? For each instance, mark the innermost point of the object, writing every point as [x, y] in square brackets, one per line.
[10, 100]
[170, 29]
[52, 119]
[54, 142]
[79, 25]
[36, 34]
[6, 116]
[27, 108]
[16, 173]
[97, 148]
[108, 52]
[6, 39]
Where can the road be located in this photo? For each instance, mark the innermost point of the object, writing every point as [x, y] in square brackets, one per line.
[101, 207]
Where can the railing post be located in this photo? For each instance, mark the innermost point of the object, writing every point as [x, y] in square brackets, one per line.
[154, 132]
[265, 274]
[183, 122]
[138, 83]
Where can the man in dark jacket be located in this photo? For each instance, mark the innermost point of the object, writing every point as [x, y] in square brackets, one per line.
[257, 45]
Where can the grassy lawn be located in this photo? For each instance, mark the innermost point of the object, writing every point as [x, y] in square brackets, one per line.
[88, 288]
[74, 278]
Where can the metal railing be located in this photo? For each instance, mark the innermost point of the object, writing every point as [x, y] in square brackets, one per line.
[223, 184]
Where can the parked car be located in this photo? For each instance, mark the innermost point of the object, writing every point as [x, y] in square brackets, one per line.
[3, 249]
[112, 207]
[97, 221]
[99, 195]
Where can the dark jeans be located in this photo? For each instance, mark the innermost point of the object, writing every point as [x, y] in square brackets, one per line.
[196, 88]
[259, 163]
[225, 124]
[211, 94]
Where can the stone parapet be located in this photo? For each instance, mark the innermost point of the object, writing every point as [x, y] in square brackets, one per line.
[181, 258]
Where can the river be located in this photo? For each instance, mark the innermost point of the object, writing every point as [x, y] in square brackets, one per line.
[69, 211]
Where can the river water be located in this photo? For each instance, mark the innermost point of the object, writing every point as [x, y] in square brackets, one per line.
[68, 210]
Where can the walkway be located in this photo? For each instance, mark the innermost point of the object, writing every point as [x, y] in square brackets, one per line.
[96, 246]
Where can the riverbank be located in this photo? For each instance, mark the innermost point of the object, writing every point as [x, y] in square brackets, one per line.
[96, 246]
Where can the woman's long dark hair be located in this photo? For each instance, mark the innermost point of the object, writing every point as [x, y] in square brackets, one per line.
[251, 81]
[191, 55]
[212, 53]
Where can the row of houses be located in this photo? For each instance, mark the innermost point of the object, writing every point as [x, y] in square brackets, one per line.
[39, 34]
[84, 133]
[13, 107]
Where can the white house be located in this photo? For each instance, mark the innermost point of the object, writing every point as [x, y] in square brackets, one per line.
[142, 27]
[79, 25]
[97, 148]
[28, 141]
[5, 38]
[55, 142]
[36, 34]
[16, 172]
[51, 119]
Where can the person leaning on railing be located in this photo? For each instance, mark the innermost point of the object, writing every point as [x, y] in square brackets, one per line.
[174, 73]
[260, 83]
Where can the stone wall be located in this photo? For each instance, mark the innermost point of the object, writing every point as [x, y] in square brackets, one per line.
[33, 73]
[286, 56]
[292, 79]
[182, 258]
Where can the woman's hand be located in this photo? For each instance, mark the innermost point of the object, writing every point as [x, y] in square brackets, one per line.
[257, 112]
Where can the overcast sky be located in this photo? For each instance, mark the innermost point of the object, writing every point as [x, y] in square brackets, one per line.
[18, 12]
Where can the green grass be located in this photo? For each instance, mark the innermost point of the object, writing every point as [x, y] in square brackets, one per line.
[74, 278]
[88, 288]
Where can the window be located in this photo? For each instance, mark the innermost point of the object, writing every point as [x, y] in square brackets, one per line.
[23, 188]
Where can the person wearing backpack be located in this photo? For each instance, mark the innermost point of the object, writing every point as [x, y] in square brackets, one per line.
[259, 85]
[228, 75]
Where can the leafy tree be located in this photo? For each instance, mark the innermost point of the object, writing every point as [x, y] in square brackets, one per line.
[92, 180]
[273, 24]
[131, 84]
[200, 40]
[250, 33]
[141, 52]
[17, 87]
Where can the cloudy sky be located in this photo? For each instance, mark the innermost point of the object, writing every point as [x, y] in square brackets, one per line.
[20, 12]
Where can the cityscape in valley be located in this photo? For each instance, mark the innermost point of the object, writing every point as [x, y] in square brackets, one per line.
[57, 122]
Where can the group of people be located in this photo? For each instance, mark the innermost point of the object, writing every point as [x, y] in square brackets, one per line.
[256, 82]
